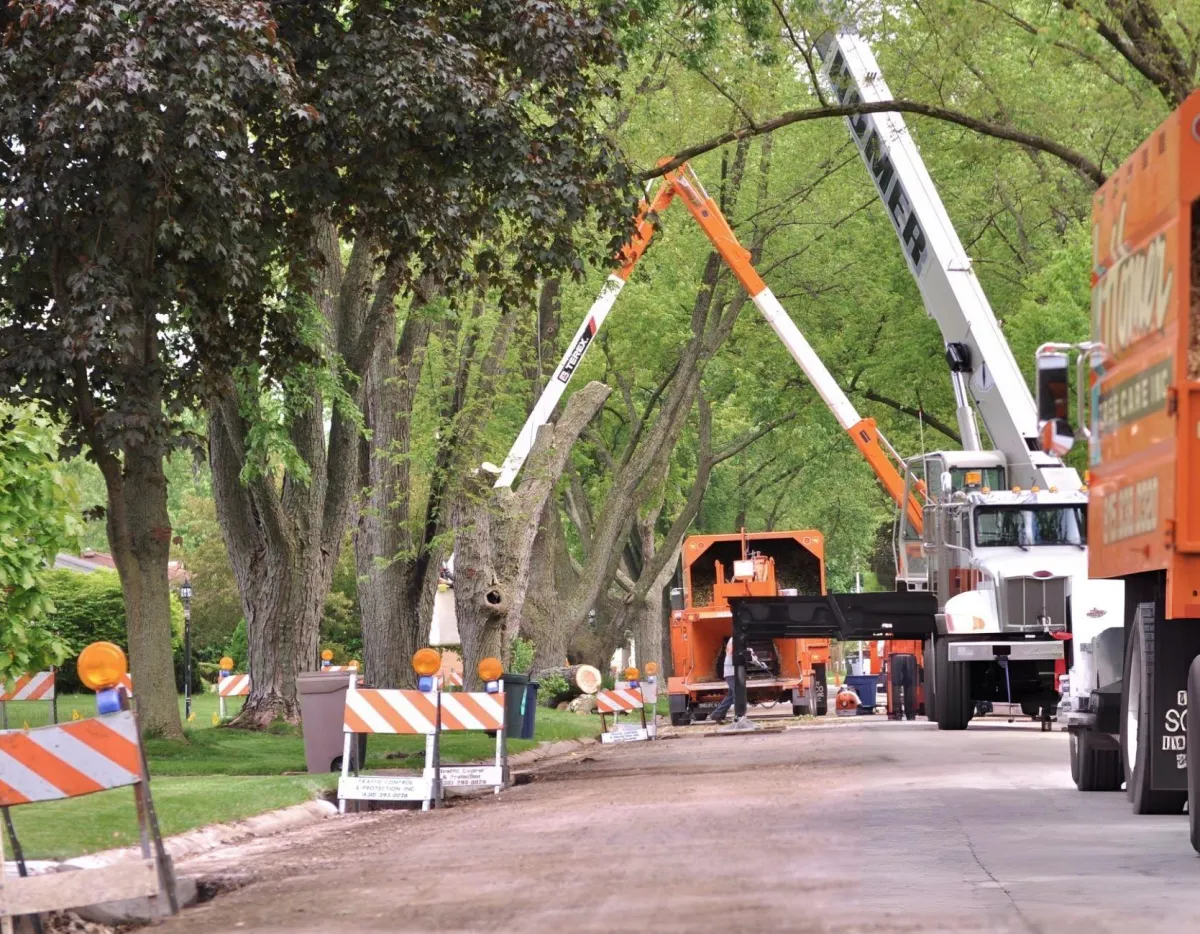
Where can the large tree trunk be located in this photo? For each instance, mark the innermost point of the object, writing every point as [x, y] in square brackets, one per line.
[139, 535]
[284, 532]
[495, 531]
[551, 575]
[397, 564]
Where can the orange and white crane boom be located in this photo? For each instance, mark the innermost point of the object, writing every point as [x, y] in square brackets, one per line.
[682, 183]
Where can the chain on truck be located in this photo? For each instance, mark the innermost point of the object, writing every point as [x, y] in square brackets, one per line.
[1137, 402]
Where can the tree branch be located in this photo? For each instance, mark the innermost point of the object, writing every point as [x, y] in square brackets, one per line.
[1077, 161]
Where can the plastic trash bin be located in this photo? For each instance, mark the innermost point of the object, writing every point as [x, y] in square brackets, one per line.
[527, 720]
[322, 703]
[516, 689]
[865, 687]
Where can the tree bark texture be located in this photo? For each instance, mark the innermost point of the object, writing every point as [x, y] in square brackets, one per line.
[139, 535]
[494, 532]
[396, 558]
[284, 531]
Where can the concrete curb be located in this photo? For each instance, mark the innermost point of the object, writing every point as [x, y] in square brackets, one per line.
[203, 839]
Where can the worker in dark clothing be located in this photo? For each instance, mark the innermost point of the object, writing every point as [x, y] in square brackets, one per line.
[719, 712]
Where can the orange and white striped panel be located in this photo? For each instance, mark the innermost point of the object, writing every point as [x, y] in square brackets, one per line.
[372, 710]
[474, 711]
[618, 701]
[68, 760]
[39, 686]
[340, 668]
[234, 686]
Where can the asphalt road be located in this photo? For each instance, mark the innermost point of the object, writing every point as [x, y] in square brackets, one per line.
[859, 826]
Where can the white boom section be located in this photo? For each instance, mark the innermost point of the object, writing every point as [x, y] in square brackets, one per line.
[558, 380]
[951, 291]
[801, 350]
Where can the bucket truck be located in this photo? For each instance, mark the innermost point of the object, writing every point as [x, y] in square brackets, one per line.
[1004, 545]
[1141, 417]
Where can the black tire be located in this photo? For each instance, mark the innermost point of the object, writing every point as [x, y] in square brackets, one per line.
[682, 718]
[1073, 745]
[820, 689]
[1135, 726]
[954, 707]
[799, 710]
[1099, 764]
[1193, 774]
[930, 706]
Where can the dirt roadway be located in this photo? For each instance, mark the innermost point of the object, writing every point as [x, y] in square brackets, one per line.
[862, 826]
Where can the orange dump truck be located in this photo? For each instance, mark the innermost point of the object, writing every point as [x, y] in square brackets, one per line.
[716, 568]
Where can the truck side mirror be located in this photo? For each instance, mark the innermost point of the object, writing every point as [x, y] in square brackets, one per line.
[1055, 434]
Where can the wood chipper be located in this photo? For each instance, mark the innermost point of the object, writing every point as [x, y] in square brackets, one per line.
[717, 568]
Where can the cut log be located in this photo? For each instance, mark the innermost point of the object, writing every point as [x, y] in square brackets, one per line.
[580, 679]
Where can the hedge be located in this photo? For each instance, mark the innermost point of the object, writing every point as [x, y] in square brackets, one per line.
[89, 608]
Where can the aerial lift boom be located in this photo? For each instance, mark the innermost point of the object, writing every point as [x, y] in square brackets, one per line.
[983, 368]
[682, 183]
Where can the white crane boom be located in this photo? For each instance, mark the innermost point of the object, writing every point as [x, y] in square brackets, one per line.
[981, 363]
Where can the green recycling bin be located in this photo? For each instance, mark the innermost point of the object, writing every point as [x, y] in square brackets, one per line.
[516, 697]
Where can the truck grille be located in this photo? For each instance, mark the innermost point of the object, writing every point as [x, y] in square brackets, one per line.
[1036, 604]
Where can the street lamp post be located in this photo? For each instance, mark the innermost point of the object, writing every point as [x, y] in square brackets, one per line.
[185, 594]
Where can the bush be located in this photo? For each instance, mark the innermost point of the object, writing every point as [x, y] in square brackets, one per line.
[239, 648]
[552, 688]
[522, 656]
[89, 608]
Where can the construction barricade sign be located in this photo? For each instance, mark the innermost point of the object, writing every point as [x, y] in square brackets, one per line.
[68, 760]
[36, 686]
[618, 701]
[232, 685]
[420, 713]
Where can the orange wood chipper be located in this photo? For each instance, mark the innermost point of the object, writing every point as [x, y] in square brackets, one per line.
[716, 568]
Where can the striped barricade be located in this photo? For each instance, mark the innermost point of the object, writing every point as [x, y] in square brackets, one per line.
[394, 712]
[231, 686]
[419, 713]
[622, 700]
[35, 686]
[450, 680]
[476, 710]
[51, 763]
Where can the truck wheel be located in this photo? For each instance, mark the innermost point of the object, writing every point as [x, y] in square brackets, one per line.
[1099, 766]
[799, 710]
[953, 689]
[681, 719]
[1193, 773]
[928, 674]
[1073, 744]
[1136, 733]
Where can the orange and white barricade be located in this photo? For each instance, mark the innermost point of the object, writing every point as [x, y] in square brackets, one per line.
[475, 710]
[618, 701]
[37, 686]
[395, 712]
[231, 685]
[451, 680]
[427, 712]
[68, 760]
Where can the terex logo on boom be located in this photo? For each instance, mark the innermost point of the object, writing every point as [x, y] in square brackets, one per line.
[875, 154]
[577, 351]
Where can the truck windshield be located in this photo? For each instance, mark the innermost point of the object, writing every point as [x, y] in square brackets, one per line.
[1022, 526]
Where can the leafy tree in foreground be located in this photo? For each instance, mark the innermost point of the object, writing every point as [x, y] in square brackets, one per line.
[131, 198]
[451, 142]
[37, 519]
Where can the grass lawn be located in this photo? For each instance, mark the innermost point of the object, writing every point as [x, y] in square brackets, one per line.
[222, 774]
